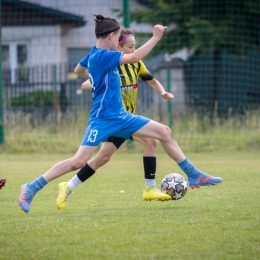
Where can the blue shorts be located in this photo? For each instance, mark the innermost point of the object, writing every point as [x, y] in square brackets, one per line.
[99, 129]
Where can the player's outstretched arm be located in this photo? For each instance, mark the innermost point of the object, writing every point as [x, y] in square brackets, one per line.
[141, 52]
[156, 85]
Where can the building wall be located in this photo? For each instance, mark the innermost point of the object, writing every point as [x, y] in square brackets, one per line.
[50, 44]
[84, 37]
[44, 41]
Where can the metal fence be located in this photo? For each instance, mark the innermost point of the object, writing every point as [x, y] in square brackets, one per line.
[209, 58]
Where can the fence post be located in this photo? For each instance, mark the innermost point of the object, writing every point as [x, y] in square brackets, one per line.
[126, 17]
[169, 103]
[126, 13]
[55, 97]
[1, 90]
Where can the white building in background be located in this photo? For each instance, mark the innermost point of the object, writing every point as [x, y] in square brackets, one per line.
[37, 45]
[42, 45]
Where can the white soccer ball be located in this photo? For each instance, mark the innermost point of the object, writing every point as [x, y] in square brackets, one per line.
[174, 185]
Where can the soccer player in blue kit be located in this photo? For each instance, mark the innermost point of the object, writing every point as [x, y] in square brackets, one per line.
[108, 117]
[129, 78]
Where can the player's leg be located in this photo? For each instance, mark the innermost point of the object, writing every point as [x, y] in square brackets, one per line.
[78, 161]
[29, 190]
[2, 183]
[149, 158]
[163, 133]
[151, 192]
[66, 188]
[108, 148]
[103, 156]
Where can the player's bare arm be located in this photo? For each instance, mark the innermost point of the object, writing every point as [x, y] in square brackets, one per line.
[156, 85]
[141, 52]
[81, 71]
[86, 85]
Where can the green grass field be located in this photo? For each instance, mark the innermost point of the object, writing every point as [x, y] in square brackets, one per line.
[99, 222]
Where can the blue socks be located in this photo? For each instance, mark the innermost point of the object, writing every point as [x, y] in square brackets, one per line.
[37, 184]
[190, 169]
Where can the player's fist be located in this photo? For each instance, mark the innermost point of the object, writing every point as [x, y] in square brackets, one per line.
[158, 31]
[167, 95]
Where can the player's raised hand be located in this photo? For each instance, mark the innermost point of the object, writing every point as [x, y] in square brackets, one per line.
[158, 31]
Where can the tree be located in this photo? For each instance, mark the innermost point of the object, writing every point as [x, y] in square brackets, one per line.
[224, 34]
[206, 25]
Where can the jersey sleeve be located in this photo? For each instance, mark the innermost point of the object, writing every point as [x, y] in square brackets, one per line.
[143, 72]
[84, 62]
[110, 59]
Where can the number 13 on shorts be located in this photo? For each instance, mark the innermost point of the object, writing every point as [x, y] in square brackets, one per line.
[92, 136]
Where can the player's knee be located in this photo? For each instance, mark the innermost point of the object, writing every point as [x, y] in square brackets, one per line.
[102, 158]
[167, 132]
[151, 144]
[105, 158]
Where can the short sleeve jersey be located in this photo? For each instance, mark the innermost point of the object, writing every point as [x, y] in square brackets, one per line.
[129, 74]
[102, 67]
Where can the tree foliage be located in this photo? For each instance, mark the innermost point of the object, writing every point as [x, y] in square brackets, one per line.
[206, 25]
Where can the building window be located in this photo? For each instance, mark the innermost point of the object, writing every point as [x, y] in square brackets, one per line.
[22, 63]
[6, 71]
[16, 65]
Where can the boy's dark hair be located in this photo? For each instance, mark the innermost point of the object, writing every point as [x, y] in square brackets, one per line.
[124, 33]
[105, 25]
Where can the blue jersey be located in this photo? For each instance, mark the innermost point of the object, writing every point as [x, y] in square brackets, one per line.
[107, 116]
[102, 67]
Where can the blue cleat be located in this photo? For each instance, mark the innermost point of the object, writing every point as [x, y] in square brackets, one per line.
[26, 197]
[204, 180]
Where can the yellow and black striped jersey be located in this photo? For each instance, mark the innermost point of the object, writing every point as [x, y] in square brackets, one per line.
[129, 74]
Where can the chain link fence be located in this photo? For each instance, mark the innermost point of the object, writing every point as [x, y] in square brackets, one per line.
[209, 59]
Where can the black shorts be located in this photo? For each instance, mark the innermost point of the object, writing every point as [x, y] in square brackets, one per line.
[117, 141]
